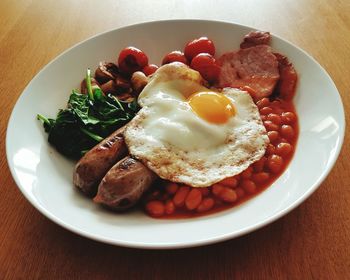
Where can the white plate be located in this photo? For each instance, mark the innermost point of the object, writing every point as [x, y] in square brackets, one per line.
[45, 177]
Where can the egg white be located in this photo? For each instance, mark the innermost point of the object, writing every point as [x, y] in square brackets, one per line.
[178, 145]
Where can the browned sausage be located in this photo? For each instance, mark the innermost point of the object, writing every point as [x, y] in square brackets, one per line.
[124, 184]
[91, 168]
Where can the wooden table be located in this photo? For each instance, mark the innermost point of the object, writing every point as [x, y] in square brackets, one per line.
[312, 242]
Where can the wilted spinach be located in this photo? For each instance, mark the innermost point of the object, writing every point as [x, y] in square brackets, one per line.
[87, 120]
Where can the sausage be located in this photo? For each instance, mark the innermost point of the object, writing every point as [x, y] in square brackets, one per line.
[91, 168]
[124, 184]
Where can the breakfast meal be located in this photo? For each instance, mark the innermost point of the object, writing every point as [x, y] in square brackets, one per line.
[194, 136]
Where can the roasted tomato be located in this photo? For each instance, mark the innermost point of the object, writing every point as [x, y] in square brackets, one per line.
[206, 65]
[197, 46]
[175, 56]
[149, 69]
[131, 60]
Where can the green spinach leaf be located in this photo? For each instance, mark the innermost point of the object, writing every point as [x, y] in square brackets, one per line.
[87, 120]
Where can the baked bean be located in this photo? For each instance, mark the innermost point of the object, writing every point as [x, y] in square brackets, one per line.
[171, 188]
[193, 199]
[283, 149]
[169, 207]
[180, 196]
[276, 103]
[240, 192]
[228, 195]
[269, 125]
[264, 102]
[276, 119]
[287, 131]
[216, 189]
[154, 195]
[248, 185]
[155, 208]
[230, 182]
[263, 117]
[206, 204]
[164, 196]
[204, 191]
[275, 163]
[270, 149]
[266, 110]
[259, 165]
[273, 135]
[246, 174]
[260, 177]
[217, 201]
[277, 111]
[288, 117]
[251, 91]
[282, 140]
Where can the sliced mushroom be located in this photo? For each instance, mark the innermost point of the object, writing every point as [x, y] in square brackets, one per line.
[110, 87]
[106, 72]
[120, 87]
[122, 83]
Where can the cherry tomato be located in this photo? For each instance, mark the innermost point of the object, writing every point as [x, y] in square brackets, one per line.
[131, 60]
[174, 56]
[197, 46]
[205, 64]
[149, 69]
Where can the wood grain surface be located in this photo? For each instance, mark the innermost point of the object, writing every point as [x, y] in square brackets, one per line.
[311, 242]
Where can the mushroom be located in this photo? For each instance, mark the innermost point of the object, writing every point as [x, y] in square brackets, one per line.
[117, 86]
[122, 83]
[106, 72]
[110, 87]
[138, 81]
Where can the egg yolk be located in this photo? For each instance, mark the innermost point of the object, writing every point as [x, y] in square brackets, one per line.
[212, 106]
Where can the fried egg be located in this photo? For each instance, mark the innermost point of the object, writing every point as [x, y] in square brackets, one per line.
[190, 134]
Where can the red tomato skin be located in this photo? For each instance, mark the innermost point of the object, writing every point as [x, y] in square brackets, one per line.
[149, 69]
[197, 46]
[132, 59]
[175, 56]
[206, 65]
